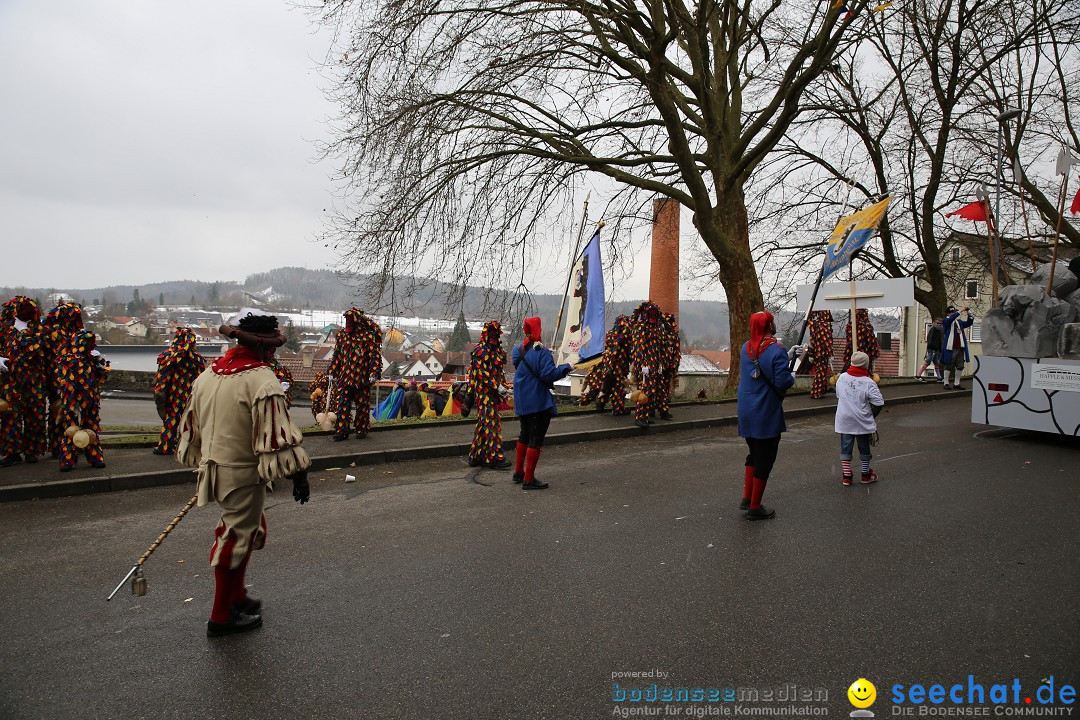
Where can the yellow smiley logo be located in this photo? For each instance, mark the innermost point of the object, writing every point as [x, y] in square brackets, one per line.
[862, 693]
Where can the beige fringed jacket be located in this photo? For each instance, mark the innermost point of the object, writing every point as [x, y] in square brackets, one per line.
[236, 430]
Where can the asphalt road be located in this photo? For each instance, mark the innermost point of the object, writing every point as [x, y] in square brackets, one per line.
[429, 590]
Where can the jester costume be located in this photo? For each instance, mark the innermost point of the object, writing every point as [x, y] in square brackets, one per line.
[355, 363]
[237, 432]
[24, 384]
[485, 376]
[821, 329]
[647, 359]
[319, 387]
[867, 339]
[81, 372]
[177, 369]
[284, 376]
[607, 379]
[672, 354]
[61, 324]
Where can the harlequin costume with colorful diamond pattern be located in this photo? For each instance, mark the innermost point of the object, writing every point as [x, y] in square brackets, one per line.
[672, 353]
[355, 364]
[284, 376]
[178, 366]
[867, 339]
[821, 347]
[61, 324]
[81, 372]
[319, 388]
[647, 357]
[485, 376]
[606, 381]
[24, 426]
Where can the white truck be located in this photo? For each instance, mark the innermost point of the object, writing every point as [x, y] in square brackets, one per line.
[1040, 394]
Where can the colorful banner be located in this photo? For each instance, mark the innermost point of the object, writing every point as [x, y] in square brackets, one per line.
[851, 235]
[583, 336]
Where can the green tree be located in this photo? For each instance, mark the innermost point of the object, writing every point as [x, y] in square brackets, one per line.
[459, 338]
[161, 298]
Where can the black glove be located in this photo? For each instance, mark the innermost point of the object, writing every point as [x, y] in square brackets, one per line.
[301, 491]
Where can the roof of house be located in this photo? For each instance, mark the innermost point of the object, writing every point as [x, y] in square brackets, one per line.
[718, 358]
[694, 364]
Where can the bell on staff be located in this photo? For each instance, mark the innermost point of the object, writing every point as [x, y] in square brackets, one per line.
[92, 436]
[80, 439]
[71, 430]
[320, 418]
[331, 417]
[138, 584]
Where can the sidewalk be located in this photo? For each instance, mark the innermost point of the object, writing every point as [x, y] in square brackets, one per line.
[129, 469]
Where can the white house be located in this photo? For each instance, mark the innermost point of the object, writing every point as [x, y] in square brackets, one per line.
[419, 370]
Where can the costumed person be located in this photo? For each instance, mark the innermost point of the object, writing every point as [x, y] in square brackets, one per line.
[535, 374]
[61, 324]
[954, 348]
[821, 342]
[236, 430]
[867, 339]
[934, 335]
[356, 362]
[319, 387]
[858, 402]
[764, 379]
[671, 348]
[24, 382]
[485, 377]
[81, 371]
[284, 376]
[606, 381]
[647, 361]
[178, 366]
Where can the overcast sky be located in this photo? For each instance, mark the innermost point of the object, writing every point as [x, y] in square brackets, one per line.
[152, 141]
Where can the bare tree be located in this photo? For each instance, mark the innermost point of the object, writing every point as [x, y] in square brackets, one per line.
[468, 124]
[913, 114]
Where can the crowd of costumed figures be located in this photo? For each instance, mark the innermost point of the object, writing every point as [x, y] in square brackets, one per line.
[51, 377]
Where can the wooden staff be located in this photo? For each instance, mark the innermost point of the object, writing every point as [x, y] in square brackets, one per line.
[993, 251]
[136, 568]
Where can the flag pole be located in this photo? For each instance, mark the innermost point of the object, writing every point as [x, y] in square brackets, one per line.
[570, 269]
[1057, 233]
[991, 222]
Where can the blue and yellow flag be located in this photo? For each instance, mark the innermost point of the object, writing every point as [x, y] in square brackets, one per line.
[850, 235]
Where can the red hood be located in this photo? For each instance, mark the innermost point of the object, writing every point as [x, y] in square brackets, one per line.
[762, 325]
[532, 331]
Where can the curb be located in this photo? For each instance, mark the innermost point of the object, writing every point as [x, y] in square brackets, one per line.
[180, 476]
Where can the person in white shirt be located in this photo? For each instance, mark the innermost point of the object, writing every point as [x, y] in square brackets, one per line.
[859, 401]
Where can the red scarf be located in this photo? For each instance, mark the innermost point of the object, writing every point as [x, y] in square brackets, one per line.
[238, 359]
[858, 372]
[761, 324]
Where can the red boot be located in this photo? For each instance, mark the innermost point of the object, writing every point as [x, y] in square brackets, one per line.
[532, 456]
[747, 487]
[758, 511]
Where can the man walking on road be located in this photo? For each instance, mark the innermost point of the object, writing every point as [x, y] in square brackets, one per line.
[236, 430]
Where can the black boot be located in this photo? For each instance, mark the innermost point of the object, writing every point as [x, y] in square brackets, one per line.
[518, 478]
[11, 459]
[340, 436]
[503, 464]
[536, 484]
[248, 606]
[239, 622]
[667, 416]
[761, 513]
[31, 459]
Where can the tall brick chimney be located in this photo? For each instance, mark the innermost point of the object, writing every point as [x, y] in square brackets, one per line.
[664, 272]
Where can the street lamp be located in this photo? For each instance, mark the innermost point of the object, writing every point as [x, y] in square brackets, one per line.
[1002, 120]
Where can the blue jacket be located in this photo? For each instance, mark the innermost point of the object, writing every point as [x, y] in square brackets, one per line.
[534, 375]
[761, 409]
